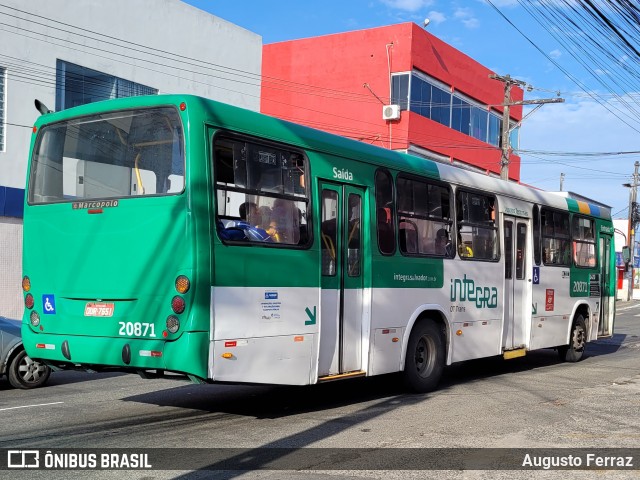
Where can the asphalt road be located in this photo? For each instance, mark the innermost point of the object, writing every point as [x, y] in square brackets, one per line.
[529, 402]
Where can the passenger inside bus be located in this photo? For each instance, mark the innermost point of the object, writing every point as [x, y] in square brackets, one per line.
[407, 236]
[249, 213]
[385, 231]
[285, 219]
[464, 250]
[443, 243]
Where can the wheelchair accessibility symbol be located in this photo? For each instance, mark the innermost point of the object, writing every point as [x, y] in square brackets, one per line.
[48, 304]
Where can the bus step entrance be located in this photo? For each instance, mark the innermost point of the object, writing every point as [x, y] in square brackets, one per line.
[341, 376]
[520, 352]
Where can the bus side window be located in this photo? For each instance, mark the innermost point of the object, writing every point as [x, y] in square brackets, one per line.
[260, 190]
[477, 231]
[385, 215]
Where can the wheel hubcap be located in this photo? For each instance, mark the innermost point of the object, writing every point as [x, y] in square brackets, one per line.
[30, 371]
[425, 356]
[578, 339]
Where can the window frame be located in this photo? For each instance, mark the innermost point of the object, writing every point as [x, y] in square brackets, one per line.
[451, 220]
[392, 202]
[536, 235]
[36, 148]
[496, 227]
[255, 140]
[575, 241]
[543, 236]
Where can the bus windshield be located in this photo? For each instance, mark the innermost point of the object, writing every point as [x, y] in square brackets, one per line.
[111, 155]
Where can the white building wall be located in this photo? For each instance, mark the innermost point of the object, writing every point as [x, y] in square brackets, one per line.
[164, 44]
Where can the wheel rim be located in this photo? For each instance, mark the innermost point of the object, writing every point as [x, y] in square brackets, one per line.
[578, 338]
[30, 371]
[425, 356]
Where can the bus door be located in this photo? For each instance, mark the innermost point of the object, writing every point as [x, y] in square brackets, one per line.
[342, 285]
[605, 326]
[517, 304]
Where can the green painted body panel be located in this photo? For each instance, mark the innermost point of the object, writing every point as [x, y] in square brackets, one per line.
[582, 279]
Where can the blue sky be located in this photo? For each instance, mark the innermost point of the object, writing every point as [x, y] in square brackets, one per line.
[477, 29]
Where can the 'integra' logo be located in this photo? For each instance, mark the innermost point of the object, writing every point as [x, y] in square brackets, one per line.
[465, 290]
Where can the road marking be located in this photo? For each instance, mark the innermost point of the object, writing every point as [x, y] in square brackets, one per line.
[619, 309]
[29, 406]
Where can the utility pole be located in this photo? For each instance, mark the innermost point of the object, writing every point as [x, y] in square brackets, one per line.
[633, 219]
[561, 180]
[506, 124]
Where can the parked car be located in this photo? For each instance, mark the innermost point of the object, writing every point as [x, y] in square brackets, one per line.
[22, 371]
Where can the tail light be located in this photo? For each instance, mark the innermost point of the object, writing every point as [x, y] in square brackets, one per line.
[182, 284]
[177, 304]
[26, 283]
[34, 318]
[28, 301]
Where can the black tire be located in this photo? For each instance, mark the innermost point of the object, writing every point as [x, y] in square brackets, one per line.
[577, 342]
[425, 357]
[26, 373]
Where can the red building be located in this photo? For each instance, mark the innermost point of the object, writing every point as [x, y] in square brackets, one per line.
[397, 86]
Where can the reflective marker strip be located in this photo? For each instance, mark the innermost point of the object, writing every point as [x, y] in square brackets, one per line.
[150, 353]
[46, 346]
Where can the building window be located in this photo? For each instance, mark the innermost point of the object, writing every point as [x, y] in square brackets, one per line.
[76, 85]
[461, 116]
[434, 101]
[400, 90]
[495, 126]
[3, 82]
[479, 123]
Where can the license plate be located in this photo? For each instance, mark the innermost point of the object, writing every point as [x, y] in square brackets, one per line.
[98, 310]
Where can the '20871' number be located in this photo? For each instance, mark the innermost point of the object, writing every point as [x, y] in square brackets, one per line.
[137, 329]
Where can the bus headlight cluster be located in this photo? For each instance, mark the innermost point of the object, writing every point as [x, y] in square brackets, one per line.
[173, 323]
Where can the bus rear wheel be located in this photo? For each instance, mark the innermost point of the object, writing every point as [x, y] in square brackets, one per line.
[577, 342]
[425, 357]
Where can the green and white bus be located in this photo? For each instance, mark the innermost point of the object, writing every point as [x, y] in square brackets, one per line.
[174, 234]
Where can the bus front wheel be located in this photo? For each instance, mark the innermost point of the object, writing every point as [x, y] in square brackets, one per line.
[425, 357]
[577, 342]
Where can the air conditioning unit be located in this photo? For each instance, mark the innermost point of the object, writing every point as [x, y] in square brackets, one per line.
[391, 112]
